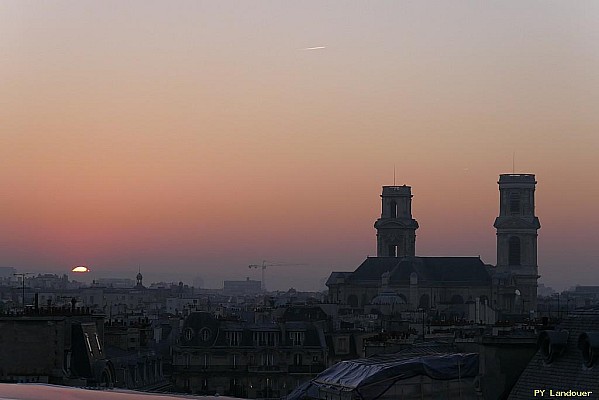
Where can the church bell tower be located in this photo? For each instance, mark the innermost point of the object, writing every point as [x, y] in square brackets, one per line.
[396, 229]
[517, 227]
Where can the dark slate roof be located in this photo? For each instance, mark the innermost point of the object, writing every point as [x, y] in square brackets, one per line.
[441, 269]
[567, 371]
[217, 337]
[304, 313]
[335, 275]
[373, 267]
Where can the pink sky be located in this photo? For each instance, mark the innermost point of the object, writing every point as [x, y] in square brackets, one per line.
[195, 138]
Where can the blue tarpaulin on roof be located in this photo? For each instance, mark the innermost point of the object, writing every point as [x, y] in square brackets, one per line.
[372, 377]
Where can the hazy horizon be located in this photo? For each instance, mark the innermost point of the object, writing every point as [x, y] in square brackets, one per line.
[194, 138]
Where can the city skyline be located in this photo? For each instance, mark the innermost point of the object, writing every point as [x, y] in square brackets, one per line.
[196, 138]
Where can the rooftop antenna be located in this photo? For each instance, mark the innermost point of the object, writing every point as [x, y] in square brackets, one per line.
[393, 174]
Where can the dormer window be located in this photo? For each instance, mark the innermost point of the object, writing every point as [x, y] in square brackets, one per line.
[588, 343]
[188, 334]
[205, 334]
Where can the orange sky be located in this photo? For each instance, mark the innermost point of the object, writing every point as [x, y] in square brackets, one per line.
[195, 138]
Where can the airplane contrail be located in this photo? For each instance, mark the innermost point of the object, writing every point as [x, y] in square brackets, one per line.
[315, 48]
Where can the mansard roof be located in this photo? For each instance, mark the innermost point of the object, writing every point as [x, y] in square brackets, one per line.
[215, 335]
[566, 368]
[428, 269]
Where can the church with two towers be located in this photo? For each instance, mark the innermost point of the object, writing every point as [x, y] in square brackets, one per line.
[397, 276]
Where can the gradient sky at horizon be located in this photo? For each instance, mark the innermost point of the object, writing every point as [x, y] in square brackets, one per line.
[193, 138]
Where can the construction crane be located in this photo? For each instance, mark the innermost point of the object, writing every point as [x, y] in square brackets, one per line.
[266, 264]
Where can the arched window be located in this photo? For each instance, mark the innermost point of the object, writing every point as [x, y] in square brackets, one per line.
[188, 334]
[393, 210]
[514, 251]
[514, 203]
[413, 278]
[205, 334]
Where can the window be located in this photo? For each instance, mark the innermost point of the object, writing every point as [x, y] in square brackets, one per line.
[297, 338]
[297, 359]
[188, 334]
[89, 344]
[98, 343]
[266, 338]
[233, 338]
[205, 334]
[205, 361]
[393, 250]
[514, 251]
[514, 203]
[267, 359]
[393, 209]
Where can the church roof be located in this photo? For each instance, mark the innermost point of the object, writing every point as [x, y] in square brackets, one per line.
[335, 276]
[428, 269]
[373, 267]
[441, 269]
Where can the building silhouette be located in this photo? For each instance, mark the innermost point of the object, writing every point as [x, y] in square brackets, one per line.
[448, 285]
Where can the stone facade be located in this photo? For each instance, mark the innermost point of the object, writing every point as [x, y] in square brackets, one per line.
[517, 225]
[242, 359]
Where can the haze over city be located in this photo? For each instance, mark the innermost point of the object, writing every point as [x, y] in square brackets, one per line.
[195, 138]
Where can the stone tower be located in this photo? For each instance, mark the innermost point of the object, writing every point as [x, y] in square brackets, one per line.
[517, 225]
[396, 229]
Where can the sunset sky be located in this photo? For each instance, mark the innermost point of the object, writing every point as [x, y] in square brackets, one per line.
[193, 138]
